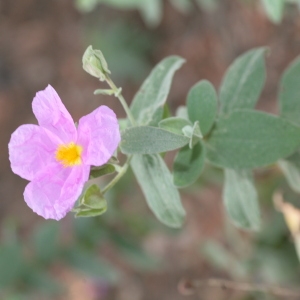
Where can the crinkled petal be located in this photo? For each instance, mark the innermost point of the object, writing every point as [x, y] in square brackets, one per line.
[31, 149]
[53, 193]
[53, 115]
[99, 135]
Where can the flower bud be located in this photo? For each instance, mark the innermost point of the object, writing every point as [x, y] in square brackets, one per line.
[94, 63]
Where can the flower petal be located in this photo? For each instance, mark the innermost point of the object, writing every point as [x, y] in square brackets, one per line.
[53, 193]
[53, 115]
[31, 149]
[99, 135]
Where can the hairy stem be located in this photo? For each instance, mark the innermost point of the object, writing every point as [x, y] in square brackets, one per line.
[120, 174]
[122, 100]
[189, 287]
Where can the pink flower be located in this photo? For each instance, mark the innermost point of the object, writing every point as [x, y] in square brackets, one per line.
[56, 157]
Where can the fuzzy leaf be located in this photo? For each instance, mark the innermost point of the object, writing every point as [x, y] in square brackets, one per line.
[290, 93]
[291, 169]
[202, 105]
[174, 124]
[156, 183]
[247, 139]
[243, 81]
[188, 165]
[154, 91]
[150, 140]
[274, 9]
[240, 199]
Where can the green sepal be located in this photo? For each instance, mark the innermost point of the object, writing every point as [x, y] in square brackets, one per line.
[101, 171]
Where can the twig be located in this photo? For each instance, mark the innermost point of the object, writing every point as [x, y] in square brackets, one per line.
[189, 287]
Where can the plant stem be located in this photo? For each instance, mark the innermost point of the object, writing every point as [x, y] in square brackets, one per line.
[118, 176]
[122, 100]
[189, 287]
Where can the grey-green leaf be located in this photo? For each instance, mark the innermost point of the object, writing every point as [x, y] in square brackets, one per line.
[154, 91]
[243, 81]
[240, 199]
[291, 169]
[174, 124]
[202, 105]
[188, 165]
[274, 9]
[150, 140]
[289, 94]
[162, 197]
[182, 112]
[247, 139]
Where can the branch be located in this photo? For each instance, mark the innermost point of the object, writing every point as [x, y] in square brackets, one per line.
[189, 287]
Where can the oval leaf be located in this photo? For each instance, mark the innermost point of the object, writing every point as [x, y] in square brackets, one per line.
[249, 139]
[243, 81]
[150, 140]
[274, 9]
[188, 165]
[174, 124]
[290, 93]
[202, 105]
[291, 169]
[155, 180]
[154, 91]
[240, 199]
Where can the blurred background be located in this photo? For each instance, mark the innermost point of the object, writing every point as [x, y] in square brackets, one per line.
[126, 254]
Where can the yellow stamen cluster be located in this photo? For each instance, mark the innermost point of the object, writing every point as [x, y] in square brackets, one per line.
[69, 155]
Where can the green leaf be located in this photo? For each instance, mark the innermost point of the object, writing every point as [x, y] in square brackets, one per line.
[93, 198]
[247, 139]
[188, 165]
[181, 112]
[46, 241]
[240, 199]
[162, 197]
[174, 124]
[290, 93]
[123, 123]
[154, 91]
[274, 9]
[243, 81]
[291, 169]
[91, 264]
[151, 10]
[101, 171]
[202, 105]
[150, 140]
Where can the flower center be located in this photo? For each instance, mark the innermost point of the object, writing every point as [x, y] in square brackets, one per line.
[69, 155]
